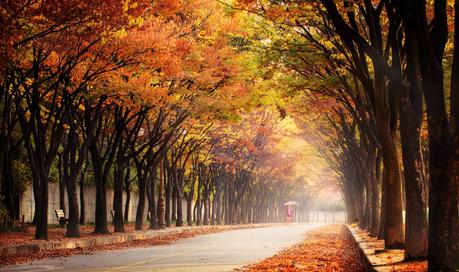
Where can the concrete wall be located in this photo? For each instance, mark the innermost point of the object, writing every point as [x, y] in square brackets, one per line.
[27, 203]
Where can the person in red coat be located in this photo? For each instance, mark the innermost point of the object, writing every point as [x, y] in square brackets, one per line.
[288, 214]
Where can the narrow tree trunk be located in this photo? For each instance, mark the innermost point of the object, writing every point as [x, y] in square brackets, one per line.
[82, 197]
[152, 199]
[376, 205]
[41, 206]
[118, 198]
[197, 205]
[179, 219]
[189, 210]
[219, 206]
[206, 211]
[213, 213]
[382, 221]
[161, 210]
[174, 204]
[168, 200]
[61, 183]
[141, 204]
[128, 194]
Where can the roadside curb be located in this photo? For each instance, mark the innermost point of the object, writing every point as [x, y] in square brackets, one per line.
[112, 238]
[373, 255]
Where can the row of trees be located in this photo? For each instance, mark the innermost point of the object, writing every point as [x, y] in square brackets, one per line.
[81, 80]
[382, 78]
[136, 96]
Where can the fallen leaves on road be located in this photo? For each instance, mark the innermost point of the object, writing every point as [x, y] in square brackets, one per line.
[327, 249]
[162, 239]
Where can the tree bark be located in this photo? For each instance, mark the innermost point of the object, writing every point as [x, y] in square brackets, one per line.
[118, 196]
[61, 183]
[73, 230]
[152, 198]
[410, 127]
[141, 204]
[82, 197]
[179, 222]
[168, 199]
[174, 203]
[161, 208]
[128, 197]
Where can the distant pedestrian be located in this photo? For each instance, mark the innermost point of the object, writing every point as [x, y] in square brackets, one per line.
[288, 214]
[289, 211]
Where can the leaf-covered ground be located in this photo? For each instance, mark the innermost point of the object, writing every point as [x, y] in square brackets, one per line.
[55, 233]
[395, 262]
[412, 266]
[327, 249]
[160, 240]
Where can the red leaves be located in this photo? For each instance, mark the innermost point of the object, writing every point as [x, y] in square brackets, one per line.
[326, 249]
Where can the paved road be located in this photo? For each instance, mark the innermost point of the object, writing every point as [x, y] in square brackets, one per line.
[214, 252]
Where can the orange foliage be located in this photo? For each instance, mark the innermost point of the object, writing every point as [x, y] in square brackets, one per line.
[327, 249]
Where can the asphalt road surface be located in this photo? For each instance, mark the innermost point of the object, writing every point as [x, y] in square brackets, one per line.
[222, 251]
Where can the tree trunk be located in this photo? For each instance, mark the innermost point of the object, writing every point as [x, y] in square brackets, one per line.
[376, 209]
[40, 178]
[73, 230]
[61, 183]
[206, 211]
[219, 206]
[410, 126]
[443, 210]
[174, 203]
[161, 210]
[101, 224]
[213, 213]
[141, 205]
[168, 200]
[393, 231]
[189, 211]
[127, 204]
[197, 205]
[128, 194]
[118, 197]
[179, 219]
[382, 221]
[82, 206]
[152, 198]
[42, 221]
[393, 227]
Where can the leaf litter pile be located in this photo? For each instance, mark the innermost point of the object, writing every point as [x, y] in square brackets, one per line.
[326, 249]
[163, 239]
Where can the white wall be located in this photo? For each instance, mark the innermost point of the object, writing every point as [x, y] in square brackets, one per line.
[27, 207]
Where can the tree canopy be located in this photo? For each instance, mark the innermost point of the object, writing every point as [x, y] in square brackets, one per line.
[236, 107]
